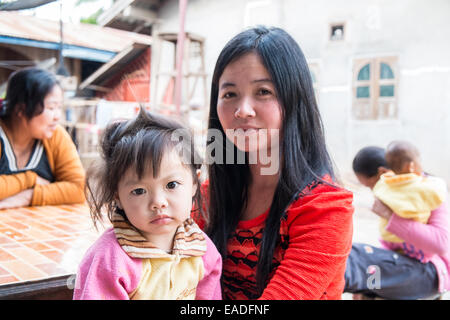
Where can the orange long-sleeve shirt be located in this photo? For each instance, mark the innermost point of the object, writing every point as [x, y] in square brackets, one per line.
[318, 231]
[66, 167]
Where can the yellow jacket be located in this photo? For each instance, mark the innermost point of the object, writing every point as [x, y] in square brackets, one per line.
[410, 196]
[66, 167]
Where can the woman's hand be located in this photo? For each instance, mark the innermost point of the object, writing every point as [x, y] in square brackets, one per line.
[381, 209]
[21, 199]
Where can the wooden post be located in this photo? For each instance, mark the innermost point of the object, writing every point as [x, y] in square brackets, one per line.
[180, 54]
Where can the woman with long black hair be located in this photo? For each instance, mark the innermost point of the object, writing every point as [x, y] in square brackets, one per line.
[284, 233]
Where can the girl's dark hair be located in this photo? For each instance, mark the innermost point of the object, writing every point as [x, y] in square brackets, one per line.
[303, 154]
[26, 91]
[368, 160]
[140, 144]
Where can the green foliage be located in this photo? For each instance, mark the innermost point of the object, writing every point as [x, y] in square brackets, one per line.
[92, 19]
[84, 1]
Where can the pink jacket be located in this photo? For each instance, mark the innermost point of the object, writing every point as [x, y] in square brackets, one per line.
[427, 242]
[108, 272]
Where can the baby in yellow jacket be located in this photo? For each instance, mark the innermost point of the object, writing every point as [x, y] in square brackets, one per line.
[405, 189]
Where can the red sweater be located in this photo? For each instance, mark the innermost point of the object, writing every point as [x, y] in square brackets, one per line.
[309, 261]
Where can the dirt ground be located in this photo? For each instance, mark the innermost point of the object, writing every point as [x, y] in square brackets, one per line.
[365, 222]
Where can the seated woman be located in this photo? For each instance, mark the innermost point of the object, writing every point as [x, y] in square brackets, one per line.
[281, 222]
[39, 164]
[422, 270]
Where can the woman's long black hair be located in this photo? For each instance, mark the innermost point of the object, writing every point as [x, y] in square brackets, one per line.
[26, 91]
[303, 154]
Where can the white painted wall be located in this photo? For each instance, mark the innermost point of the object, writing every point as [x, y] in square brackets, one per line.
[416, 31]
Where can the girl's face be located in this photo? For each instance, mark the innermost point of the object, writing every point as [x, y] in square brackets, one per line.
[157, 206]
[247, 103]
[43, 125]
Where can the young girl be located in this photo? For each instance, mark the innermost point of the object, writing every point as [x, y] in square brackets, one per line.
[285, 234]
[148, 183]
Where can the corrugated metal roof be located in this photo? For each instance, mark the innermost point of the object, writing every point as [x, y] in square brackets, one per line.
[69, 51]
[23, 4]
[132, 15]
[16, 25]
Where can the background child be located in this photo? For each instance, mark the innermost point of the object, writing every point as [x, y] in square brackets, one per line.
[406, 190]
[148, 184]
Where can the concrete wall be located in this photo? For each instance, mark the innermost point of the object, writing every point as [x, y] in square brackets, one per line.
[417, 32]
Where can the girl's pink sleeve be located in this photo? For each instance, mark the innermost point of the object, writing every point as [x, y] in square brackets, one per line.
[107, 272]
[209, 287]
[431, 238]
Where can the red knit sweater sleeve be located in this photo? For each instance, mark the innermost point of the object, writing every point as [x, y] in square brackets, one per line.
[320, 236]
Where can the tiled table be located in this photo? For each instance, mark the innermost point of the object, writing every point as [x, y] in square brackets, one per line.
[41, 247]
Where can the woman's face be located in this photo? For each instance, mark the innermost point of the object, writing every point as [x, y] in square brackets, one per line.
[43, 125]
[366, 181]
[247, 104]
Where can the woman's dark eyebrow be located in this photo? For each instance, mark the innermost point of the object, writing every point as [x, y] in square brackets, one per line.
[227, 84]
[231, 84]
[263, 80]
